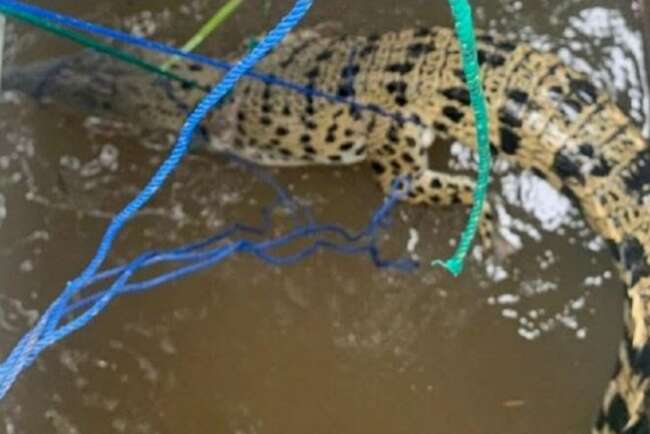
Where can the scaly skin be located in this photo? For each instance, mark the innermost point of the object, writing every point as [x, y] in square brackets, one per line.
[543, 116]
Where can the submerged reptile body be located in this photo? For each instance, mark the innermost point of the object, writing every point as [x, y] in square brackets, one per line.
[543, 116]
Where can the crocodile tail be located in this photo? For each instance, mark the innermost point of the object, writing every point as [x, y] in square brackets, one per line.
[624, 406]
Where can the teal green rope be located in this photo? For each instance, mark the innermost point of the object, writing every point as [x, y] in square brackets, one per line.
[95, 45]
[462, 13]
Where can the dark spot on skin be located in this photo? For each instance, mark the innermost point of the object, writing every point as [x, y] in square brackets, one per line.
[241, 116]
[586, 149]
[334, 158]
[286, 152]
[492, 59]
[400, 68]
[286, 110]
[508, 118]
[410, 142]
[360, 151]
[345, 91]
[453, 113]
[439, 126]
[396, 86]
[346, 146]
[312, 74]
[601, 169]
[638, 177]
[460, 74]
[518, 96]
[311, 125]
[348, 132]
[367, 50]
[266, 108]
[565, 168]
[633, 256]
[407, 158]
[274, 142]
[305, 138]
[640, 359]
[310, 110]
[349, 71]
[617, 414]
[324, 55]
[459, 94]
[506, 46]
[400, 100]
[310, 150]
[388, 149]
[495, 60]
[354, 112]
[586, 91]
[196, 67]
[422, 32]
[418, 49]
[330, 138]
[281, 131]
[435, 183]
[391, 135]
[373, 37]
[509, 141]
[265, 120]
[489, 39]
[377, 167]
[395, 164]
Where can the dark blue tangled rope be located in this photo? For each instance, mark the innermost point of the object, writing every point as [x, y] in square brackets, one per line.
[195, 256]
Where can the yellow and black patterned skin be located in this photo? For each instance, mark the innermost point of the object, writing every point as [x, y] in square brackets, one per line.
[544, 116]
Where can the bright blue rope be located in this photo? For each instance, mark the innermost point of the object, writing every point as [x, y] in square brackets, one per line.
[43, 334]
[148, 44]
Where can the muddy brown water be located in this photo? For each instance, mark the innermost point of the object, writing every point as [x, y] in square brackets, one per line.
[330, 344]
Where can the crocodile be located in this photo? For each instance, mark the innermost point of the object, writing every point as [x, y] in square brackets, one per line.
[392, 96]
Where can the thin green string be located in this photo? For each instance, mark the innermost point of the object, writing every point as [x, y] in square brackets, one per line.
[217, 19]
[462, 13]
[95, 45]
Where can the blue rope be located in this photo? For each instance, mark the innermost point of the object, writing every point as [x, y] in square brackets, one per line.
[75, 23]
[43, 333]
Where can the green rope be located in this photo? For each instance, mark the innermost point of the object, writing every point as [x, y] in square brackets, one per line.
[462, 13]
[95, 45]
[217, 19]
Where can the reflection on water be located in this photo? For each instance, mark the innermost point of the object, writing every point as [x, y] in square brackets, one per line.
[331, 344]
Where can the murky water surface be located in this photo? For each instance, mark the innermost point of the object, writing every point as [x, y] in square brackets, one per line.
[331, 344]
